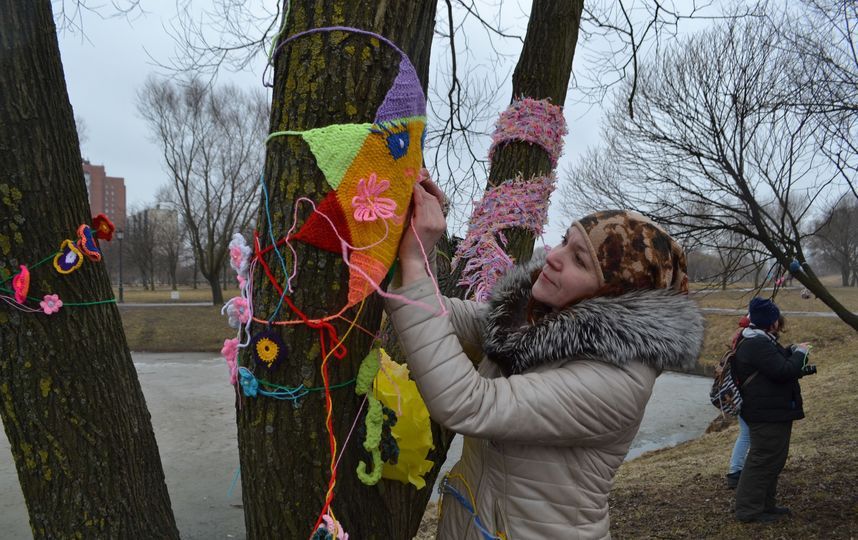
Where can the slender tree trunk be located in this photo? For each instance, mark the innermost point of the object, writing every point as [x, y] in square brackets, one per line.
[321, 80]
[217, 292]
[543, 71]
[70, 400]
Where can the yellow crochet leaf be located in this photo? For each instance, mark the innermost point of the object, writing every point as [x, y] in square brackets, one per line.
[413, 432]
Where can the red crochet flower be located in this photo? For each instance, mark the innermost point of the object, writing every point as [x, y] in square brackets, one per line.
[21, 284]
[103, 227]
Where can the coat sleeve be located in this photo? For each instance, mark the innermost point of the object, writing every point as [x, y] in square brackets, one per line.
[763, 356]
[582, 403]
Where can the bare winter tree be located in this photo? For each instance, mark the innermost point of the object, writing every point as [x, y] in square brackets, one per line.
[170, 235]
[140, 245]
[823, 42]
[712, 132]
[211, 141]
[836, 237]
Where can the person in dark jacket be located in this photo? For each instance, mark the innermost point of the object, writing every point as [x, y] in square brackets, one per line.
[771, 401]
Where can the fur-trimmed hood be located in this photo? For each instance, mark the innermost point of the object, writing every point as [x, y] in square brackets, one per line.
[661, 328]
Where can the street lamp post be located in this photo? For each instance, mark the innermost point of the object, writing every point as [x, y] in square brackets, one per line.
[119, 235]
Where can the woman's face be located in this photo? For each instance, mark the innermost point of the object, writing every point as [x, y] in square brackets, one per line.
[569, 274]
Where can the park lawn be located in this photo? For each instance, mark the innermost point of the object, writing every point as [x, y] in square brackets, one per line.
[788, 299]
[136, 295]
[175, 328]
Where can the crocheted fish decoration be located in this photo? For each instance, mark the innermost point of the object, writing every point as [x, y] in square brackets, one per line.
[372, 169]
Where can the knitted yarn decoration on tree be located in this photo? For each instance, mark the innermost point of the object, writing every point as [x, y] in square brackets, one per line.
[68, 258]
[371, 169]
[514, 203]
[533, 121]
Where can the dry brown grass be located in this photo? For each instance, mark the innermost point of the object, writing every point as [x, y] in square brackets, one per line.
[175, 328]
[787, 299]
[137, 295]
[679, 492]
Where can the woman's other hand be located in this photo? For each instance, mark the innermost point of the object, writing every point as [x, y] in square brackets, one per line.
[426, 222]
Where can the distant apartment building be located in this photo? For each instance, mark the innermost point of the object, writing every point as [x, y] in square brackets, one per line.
[160, 220]
[106, 193]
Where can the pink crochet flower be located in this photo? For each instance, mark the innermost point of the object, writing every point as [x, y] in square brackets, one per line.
[333, 525]
[51, 303]
[239, 254]
[230, 353]
[238, 311]
[368, 205]
[21, 284]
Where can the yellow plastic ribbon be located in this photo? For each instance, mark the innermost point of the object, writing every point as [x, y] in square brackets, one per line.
[413, 432]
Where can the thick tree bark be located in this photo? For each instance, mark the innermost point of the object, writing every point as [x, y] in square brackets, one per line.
[70, 400]
[323, 79]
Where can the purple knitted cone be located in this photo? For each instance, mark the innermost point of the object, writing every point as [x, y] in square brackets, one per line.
[405, 97]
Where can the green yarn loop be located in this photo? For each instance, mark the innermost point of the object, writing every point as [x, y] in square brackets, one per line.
[374, 418]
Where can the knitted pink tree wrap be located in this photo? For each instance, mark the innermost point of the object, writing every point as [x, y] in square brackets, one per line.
[534, 121]
[515, 203]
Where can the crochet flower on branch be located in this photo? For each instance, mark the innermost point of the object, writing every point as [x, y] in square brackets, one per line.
[230, 354]
[239, 258]
[238, 311]
[21, 284]
[104, 228]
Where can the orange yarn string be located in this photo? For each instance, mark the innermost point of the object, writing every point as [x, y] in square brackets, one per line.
[329, 496]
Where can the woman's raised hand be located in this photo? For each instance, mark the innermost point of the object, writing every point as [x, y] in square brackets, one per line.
[426, 222]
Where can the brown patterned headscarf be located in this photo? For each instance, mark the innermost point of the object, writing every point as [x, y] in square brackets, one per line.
[633, 253]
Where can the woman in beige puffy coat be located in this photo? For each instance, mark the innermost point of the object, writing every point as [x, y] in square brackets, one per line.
[548, 382]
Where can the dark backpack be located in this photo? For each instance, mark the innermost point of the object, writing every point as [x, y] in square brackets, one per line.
[725, 394]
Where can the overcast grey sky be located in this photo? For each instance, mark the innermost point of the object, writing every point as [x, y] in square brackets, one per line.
[105, 68]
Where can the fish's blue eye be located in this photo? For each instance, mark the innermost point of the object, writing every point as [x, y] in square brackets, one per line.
[423, 140]
[397, 144]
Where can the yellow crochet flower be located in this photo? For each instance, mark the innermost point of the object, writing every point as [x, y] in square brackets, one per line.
[267, 350]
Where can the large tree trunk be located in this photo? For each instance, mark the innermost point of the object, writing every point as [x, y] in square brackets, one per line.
[71, 406]
[321, 80]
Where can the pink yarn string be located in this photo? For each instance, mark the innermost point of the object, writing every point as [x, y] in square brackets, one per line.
[349, 436]
[20, 307]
